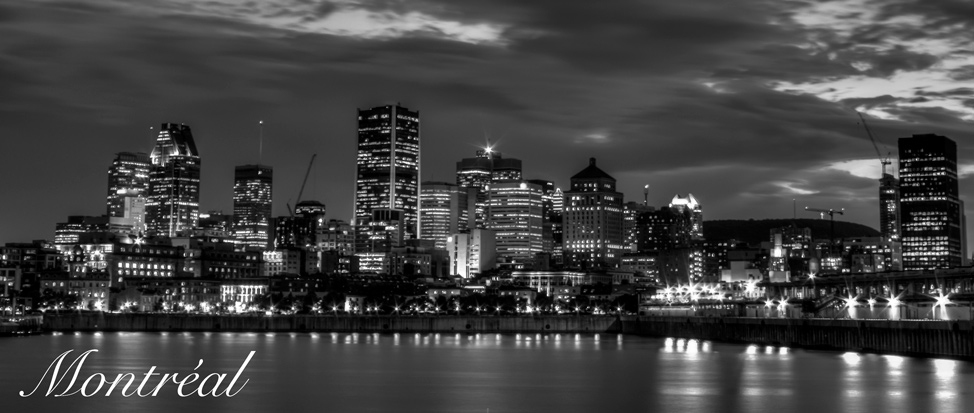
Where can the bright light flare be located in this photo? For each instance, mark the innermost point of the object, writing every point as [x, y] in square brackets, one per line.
[943, 300]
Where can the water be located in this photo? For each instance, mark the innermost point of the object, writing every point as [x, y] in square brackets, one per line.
[344, 372]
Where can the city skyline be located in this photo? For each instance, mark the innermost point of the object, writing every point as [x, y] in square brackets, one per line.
[675, 125]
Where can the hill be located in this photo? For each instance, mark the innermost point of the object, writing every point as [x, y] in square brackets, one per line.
[758, 230]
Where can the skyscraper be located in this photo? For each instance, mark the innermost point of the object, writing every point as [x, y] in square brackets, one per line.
[388, 164]
[593, 219]
[127, 177]
[252, 190]
[478, 172]
[174, 182]
[931, 212]
[515, 209]
[889, 207]
[445, 209]
[489, 165]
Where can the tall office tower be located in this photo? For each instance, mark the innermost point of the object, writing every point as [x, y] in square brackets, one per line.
[478, 172]
[558, 227]
[489, 165]
[127, 177]
[632, 211]
[388, 164]
[932, 218]
[593, 219]
[445, 209]
[174, 182]
[252, 189]
[514, 211]
[475, 172]
[889, 207]
[548, 213]
[695, 254]
[690, 204]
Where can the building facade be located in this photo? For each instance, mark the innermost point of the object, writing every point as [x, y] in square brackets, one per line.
[128, 185]
[478, 172]
[445, 209]
[514, 211]
[593, 219]
[252, 190]
[931, 210]
[889, 207]
[174, 182]
[388, 164]
[472, 252]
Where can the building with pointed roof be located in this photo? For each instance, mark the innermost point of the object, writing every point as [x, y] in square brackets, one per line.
[593, 219]
[173, 203]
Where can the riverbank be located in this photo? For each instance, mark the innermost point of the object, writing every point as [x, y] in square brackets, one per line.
[934, 338]
[323, 323]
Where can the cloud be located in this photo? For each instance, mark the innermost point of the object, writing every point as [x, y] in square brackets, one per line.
[748, 105]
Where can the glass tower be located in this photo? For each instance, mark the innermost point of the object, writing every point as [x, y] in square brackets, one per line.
[930, 207]
[252, 189]
[127, 177]
[388, 164]
[174, 182]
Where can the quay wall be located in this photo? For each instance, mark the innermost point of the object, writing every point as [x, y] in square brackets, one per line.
[911, 337]
[324, 323]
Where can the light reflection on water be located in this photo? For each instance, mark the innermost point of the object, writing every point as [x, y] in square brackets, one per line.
[504, 373]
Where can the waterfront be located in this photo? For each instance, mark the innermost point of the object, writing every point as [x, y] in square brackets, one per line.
[349, 372]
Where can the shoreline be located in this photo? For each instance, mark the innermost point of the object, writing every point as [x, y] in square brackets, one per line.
[914, 338]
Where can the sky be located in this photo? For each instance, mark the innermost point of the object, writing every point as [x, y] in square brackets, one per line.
[748, 105]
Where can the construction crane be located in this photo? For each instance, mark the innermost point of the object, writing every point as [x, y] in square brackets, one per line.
[303, 183]
[883, 161]
[831, 212]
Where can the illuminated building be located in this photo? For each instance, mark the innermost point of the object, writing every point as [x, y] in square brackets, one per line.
[477, 172]
[388, 164]
[550, 199]
[695, 253]
[336, 235]
[593, 219]
[174, 182]
[70, 232]
[381, 232]
[311, 209]
[213, 226]
[445, 209]
[632, 210]
[471, 253]
[514, 211]
[300, 229]
[252, 188]
[128, 185]
[690, 204]
[930, 205]
[296, 231]
[489, 165]
[790, 252]
[889, 207]
[217, 260]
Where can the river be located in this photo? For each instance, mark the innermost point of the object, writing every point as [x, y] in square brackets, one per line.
[356, 372]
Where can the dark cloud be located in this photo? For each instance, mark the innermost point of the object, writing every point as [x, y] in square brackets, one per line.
[681, 95]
